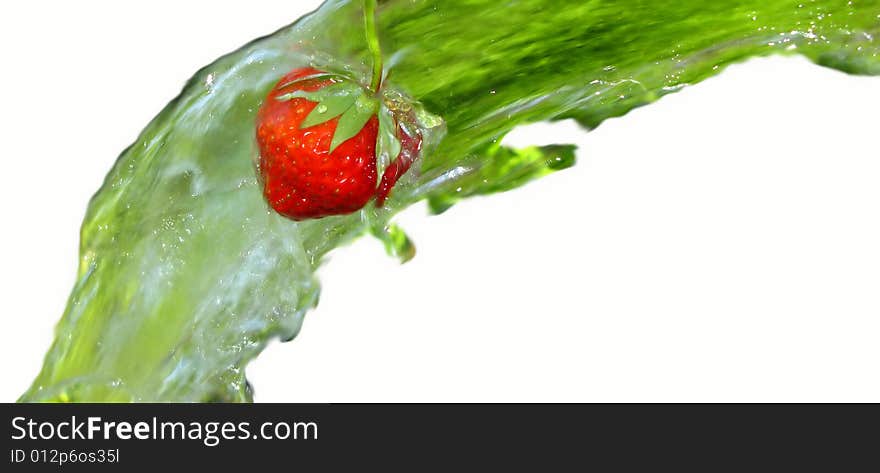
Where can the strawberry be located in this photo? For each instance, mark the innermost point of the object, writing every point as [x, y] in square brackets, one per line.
[317, 137]
[409, 145]
[324, 140]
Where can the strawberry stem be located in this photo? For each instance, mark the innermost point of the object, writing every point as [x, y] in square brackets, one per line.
[373, 43]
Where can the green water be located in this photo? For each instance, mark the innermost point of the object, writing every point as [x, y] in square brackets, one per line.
[185, 274]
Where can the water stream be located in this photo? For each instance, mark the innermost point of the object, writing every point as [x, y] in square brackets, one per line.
[185, 273]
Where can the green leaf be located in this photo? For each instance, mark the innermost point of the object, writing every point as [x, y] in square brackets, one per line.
[387, 144]
[330, 107]
[313, 77]
[353, 120]
[333, 101]
[299, 94]
[337, 89]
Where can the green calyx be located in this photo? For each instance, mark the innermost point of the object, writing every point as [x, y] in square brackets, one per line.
[387, 143]
[354, 105]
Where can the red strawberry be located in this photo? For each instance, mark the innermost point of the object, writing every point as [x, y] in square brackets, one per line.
[324, 140]
[410, 145]
[317, 137]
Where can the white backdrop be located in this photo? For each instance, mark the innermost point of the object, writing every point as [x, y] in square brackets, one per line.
[720, 245]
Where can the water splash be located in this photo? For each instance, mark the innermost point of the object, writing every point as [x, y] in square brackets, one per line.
[185, 274]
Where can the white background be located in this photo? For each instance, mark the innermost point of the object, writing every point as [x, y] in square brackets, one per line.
[720, 245]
